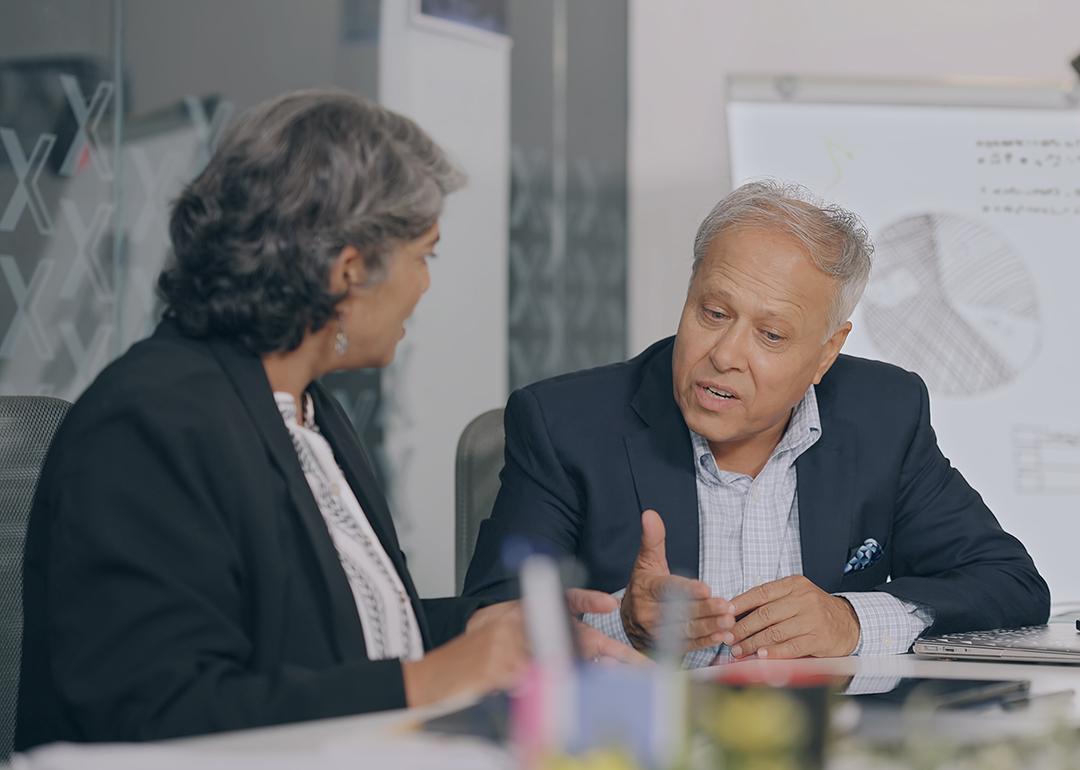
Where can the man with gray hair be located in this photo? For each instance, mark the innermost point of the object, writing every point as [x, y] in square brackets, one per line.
[801, 492]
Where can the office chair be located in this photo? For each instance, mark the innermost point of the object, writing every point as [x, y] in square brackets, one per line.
[27, 425]
[476, 483]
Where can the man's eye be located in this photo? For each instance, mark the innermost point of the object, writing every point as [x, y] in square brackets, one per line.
[773, 336]
[719, 315]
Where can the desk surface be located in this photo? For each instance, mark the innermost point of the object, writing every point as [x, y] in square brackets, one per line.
[329, 742]
[1044, 678]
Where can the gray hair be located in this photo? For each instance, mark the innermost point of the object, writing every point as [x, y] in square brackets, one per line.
[292, 183]
[836, 240]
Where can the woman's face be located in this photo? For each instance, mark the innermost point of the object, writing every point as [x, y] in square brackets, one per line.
[373, 316]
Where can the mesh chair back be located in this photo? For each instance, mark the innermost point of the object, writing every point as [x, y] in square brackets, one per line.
[476, 483]
[27, 425]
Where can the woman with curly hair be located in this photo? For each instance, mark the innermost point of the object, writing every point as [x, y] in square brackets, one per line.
[208, 548]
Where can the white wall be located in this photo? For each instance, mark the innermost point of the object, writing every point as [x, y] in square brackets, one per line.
[452, 363]
[681, 51]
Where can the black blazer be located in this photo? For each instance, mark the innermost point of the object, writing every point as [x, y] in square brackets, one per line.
[179, 578]
[587, 452]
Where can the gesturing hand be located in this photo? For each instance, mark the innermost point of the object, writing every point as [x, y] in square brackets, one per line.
[793, 618]
[708, 620]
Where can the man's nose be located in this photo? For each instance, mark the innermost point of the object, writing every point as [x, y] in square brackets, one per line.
[729, 349]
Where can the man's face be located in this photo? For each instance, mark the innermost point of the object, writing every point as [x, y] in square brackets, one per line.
[753, 336]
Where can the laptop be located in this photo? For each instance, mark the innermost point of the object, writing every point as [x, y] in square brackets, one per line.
[1054, 643]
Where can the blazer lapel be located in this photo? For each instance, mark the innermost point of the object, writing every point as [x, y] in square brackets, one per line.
[826, 477]
[662, 464]
[361, 477]
[249, 379]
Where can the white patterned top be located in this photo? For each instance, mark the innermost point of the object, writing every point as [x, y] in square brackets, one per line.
[386, 614]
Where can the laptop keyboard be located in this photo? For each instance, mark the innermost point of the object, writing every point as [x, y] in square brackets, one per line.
[1029, 637]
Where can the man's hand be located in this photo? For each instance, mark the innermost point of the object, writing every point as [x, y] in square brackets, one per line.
[708, 620]
[793, 618]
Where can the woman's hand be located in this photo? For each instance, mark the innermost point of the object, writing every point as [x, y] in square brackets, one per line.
[485, 615]
[489, 656]
[593, 644]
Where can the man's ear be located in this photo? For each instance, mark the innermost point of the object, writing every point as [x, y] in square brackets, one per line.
[348, 269]
[831, 349]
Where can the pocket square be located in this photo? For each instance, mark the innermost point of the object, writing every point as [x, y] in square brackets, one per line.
[863, 556]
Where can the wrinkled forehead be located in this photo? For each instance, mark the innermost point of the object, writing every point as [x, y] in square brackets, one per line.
[766, 266]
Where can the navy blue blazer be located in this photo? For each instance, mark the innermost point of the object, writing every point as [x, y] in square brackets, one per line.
[587, 452]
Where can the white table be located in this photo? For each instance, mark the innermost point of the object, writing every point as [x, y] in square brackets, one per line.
[389, 740]
[1044, 678]
[384, 740]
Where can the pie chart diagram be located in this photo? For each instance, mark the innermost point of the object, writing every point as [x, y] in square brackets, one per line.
[949, 299]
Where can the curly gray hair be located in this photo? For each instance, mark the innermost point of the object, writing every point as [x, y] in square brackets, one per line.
[836, 240]
[293, 182]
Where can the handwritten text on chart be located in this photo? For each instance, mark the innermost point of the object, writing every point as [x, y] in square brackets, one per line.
[1029, 176]
[1043, 160]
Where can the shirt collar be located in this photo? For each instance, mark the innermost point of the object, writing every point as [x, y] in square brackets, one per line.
[803, 430]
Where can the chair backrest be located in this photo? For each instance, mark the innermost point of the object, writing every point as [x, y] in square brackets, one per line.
[27, 425]
[476, 483]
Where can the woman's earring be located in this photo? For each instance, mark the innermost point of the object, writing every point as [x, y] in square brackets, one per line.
[341, 341]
